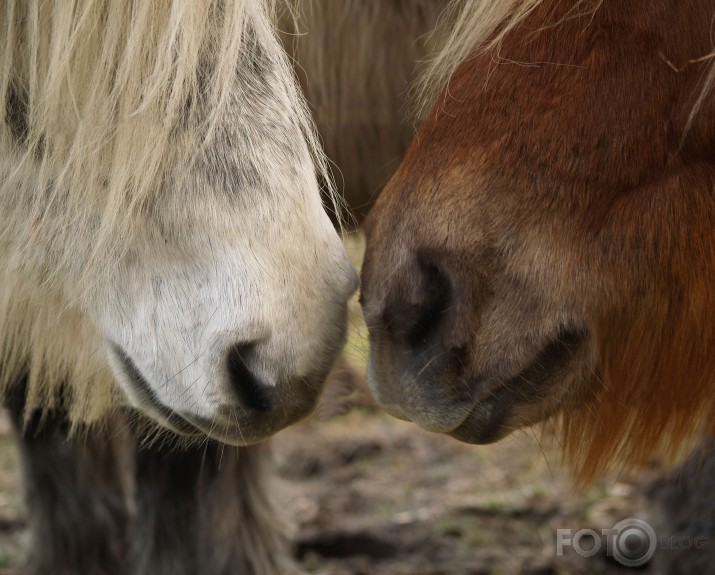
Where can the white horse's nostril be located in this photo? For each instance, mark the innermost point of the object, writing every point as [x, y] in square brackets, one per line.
[244, 384]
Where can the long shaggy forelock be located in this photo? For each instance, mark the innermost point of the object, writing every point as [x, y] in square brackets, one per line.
[654, 394]
[107, 84]
[655, 399]
[44, 347]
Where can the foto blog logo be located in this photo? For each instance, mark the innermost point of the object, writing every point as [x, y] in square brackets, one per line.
[632, 542]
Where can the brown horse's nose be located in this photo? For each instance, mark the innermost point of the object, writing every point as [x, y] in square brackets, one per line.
[415, 319]
[419, 339]
[421, 315]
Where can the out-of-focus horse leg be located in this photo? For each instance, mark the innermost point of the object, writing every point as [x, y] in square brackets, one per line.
[99, 504]
[685, 503]
[206, 510]
[78, 495]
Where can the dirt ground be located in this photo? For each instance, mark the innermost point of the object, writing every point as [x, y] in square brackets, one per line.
[375, 496]
[371, 495]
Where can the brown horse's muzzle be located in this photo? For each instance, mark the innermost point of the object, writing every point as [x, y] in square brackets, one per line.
[458, 344]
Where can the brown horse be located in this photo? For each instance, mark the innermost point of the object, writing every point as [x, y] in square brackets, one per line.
[546, 251]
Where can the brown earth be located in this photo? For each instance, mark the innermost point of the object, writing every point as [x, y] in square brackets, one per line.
[373, 495]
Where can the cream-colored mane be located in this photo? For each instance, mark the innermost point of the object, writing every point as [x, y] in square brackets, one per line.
[106, 85]
[473, 27]
[356, 61]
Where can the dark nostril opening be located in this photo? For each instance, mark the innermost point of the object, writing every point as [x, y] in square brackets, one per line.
[437, 294]
[416, 319]
[245, 385]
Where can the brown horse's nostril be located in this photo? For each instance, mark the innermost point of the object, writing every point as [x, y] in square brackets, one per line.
[417, 319]
[249, 390]
[437, 293]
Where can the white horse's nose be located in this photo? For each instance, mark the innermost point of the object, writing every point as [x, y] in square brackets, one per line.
[251, 380]
[237, 360]
[244, 385]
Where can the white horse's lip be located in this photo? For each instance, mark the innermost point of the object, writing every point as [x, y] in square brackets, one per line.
[233, 424]
[146, 397]
[233, 433]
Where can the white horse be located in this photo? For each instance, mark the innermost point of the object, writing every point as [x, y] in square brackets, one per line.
[163, 245]
[160, 218]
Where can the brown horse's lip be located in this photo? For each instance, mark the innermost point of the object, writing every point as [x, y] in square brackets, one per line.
[486, 421]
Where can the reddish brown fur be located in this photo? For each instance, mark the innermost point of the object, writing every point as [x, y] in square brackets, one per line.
[555, 185]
